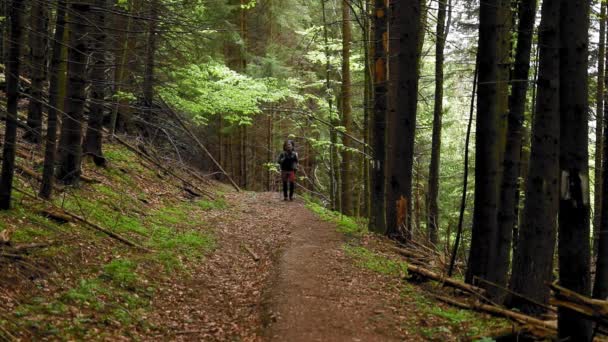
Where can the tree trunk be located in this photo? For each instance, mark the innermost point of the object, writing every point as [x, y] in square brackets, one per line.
[377, 219]
[507, 213]
[433, 214]
[405, 22]
[57, 82]
[599, 121]
[533, 258]
[600, 288]
[70, 143]
[37, 39]
[574, 249]
[93, 138]
[15, 15]
[486, 146]
[148, 86]
[347, 166]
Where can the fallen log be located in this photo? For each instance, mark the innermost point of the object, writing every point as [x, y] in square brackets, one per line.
[594, 309]
[87, 223]
[549, 326]
[445, 280]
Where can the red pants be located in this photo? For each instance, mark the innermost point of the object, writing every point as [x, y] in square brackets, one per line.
[288, 176]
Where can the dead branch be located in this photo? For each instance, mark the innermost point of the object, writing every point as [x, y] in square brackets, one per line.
[254, 256]
[164, 169]
[200, 145]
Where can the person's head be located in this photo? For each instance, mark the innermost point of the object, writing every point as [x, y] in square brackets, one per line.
[288, 146]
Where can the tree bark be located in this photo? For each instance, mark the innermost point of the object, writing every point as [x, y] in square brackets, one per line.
[377, 220]
[599, 123]
[347, 165]
[508, 201]
[533, 258]
[70, 143]
[148, 86]
[15, 15]
[486, 146]
[37, 40]
[93, 138]
[574, 249]
[57, 82]
[433, 214]
[404, 22]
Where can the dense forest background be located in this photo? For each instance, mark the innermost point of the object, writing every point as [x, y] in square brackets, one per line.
[465, 125]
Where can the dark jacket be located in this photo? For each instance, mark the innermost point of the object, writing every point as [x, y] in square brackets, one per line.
[288, 161]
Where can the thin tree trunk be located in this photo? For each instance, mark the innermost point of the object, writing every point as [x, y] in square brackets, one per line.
[599, 122]
[148, 86]
[405, 25]
[347, 166]
[15, 15]
[574, 207]
[533, 258]
[70, 144]
[37, 38]
[56, 88]
[93, 139]
[433, 214]
[600, 288]
[486, 146]
[507, 213]
[465, 177]
[377, 219]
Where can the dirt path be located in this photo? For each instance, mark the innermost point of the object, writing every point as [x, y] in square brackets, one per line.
[302, 288]
[316, 295]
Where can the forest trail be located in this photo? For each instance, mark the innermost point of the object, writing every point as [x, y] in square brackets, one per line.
[302, 288]
[315, 295]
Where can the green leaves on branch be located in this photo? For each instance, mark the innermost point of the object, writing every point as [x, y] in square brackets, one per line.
[213, 89]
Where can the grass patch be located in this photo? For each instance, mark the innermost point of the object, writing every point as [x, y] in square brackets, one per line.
[217, 204]
[377, 263]
[346, 224]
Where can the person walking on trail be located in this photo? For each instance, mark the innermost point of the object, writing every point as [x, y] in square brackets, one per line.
[288, 161]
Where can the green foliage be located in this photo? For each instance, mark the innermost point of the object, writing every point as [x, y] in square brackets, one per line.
[213, 89]
[375, 262]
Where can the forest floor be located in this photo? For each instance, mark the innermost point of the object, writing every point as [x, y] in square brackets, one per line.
[234, 266]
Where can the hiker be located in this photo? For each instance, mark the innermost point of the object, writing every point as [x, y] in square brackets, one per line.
[288, 161]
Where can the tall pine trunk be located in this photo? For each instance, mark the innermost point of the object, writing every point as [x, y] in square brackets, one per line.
[574, 249]
[57, 82]
[599, 123]
[405, 33]
[347, 166]
[508, 201]
[533, 258]
[15, 15]
[377, 220]
[37, 39]
[433, 214]
[486, 146]
[70, 144]
[93, 138]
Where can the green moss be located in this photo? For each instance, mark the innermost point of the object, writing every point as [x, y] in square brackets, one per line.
[122, 273]
[377, 263]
